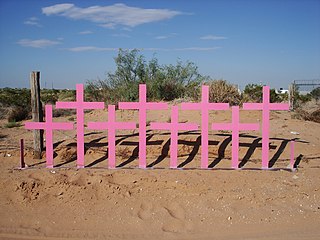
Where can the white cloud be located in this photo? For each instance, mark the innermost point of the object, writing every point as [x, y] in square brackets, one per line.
[112, 15]
[39, 43]
[212, 37]
[85, 32]
[57, 9]
[102, 49]
[33, 21]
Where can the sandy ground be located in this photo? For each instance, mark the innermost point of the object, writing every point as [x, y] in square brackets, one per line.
[159, 203]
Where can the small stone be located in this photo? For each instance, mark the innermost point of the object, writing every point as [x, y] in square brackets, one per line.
[295, 177]
[229, 218]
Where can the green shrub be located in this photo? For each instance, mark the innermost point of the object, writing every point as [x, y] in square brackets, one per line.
[315, 93]
[49, 96]
[254, 93]
[12, 124]
[18, 114]
[164, 82]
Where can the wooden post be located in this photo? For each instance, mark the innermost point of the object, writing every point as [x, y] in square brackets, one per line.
[37, 114]
[22, 163]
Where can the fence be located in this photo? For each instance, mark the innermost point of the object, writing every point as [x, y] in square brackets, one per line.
[303, 87]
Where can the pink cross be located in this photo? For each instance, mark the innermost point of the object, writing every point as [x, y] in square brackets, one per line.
[142, 106]
[265, 106]
[112, 126]
[235, 126]
[80, 106]
[204, 106]
[49, 126]
[174, 127]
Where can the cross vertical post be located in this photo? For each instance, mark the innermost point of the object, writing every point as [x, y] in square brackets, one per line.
[80, 106]
[292, 154]
[174, 127]
[49, 126]
[204, 106]
[112, 126]
[235, 126]
[142, 106]
[266, 107]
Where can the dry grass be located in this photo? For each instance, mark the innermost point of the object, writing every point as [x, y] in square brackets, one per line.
[304, 115]
[220, 91]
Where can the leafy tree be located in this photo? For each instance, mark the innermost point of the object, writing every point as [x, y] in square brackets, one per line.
[164, 82]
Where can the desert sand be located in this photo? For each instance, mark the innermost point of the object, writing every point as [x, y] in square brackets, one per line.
[161, 203]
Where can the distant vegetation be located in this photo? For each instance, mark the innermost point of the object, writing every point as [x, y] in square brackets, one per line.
[164, 83]
[15, 103]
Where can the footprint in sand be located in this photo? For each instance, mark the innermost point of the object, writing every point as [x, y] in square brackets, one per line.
[145, 212]
[177, 220]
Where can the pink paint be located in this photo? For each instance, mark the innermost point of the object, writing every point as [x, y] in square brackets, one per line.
[142, 106]
[292, 154]
[112, 126]
[204, 106]
[174, 127]
[265, 106]
[235, 126]
[49, 126]
[80, 106]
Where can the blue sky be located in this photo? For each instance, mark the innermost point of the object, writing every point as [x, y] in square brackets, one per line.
[243, 41]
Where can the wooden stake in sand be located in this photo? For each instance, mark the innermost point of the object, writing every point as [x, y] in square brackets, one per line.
[37, 114]
[292, 154]
[22, 163]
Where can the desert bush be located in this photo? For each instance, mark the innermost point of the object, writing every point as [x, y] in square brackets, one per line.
[49, 96]
[223, 92]
[63, 112]
[253, 93]
[67, 95]
[304, 115]
[12, 124]
[15, 97]
[315, 93]
[15, 103]
[164, 82]
[17, 114]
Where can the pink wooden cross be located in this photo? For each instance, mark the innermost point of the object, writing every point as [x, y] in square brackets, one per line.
[112, 126]
[204, 106]
[174, 127]
[235, 126]
[80, 106]
[265, 106]
[49, 126]
[142, 106]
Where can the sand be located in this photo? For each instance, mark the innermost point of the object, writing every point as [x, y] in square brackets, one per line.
[160, 203]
